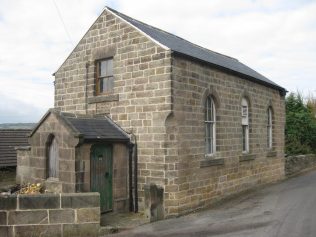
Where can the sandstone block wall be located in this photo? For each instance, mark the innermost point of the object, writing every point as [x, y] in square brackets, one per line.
[76, 214]
[66, 150]
[159, 98]
[141, 100]
[74, 162]
[195, 180]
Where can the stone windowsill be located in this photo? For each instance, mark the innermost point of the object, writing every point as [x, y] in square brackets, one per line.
[103, 98]
[211, 162]
[246, 157]
[271, 154]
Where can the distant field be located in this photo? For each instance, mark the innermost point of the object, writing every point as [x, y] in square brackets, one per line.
[17, 125]
[7, 178]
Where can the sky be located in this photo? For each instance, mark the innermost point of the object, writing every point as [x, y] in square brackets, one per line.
[277, 38]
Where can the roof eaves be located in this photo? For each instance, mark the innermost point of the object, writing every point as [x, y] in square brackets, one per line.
[60, 115]
[117, 126]
[142, 32]
[282, 90]
[121, 140]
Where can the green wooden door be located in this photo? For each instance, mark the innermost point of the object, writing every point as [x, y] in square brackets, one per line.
[101, 174]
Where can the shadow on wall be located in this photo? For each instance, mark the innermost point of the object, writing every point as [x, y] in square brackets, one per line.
[7, 178]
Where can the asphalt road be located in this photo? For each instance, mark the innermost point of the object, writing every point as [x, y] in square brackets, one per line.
[286, 209]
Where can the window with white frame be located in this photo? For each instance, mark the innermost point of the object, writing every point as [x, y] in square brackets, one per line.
[210, 126]
[269, 128]
[245, 125]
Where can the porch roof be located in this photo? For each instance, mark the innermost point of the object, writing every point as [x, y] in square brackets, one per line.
[98, 128]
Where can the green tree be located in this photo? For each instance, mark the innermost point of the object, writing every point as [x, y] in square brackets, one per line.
[300, 128]
[311, 103]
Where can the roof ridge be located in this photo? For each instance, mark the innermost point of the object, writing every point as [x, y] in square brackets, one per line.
[166, 32]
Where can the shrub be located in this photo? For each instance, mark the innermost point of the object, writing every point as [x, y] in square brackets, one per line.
[300, 128]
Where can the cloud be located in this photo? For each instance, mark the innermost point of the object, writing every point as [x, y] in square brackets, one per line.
[33, 45]
[275, 37]
[16, 111]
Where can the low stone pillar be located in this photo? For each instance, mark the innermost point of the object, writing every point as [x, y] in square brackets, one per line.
[53, 185]
[154, 202]
[23, 170]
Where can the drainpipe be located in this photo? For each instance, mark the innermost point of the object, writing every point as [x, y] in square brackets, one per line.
[130, 176]
[86, 87]
[135, 177]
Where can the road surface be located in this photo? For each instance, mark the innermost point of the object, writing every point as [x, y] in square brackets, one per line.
[286, 209]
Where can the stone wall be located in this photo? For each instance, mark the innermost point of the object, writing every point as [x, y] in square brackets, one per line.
[141, 100]
[195, 180]
[51, 215]
[53, 126]
[298, 163]
[159, 97]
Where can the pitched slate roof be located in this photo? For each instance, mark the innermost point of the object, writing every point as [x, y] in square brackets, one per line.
[184, 47]
[100, 128]
[9, 139]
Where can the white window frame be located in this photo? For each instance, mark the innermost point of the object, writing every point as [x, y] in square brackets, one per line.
[210, 126]
[269, 129]
[245, 125]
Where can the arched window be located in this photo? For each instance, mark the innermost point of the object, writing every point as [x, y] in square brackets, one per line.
[53, 159]
[245, 125]
[269, 128]
[210, 126]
